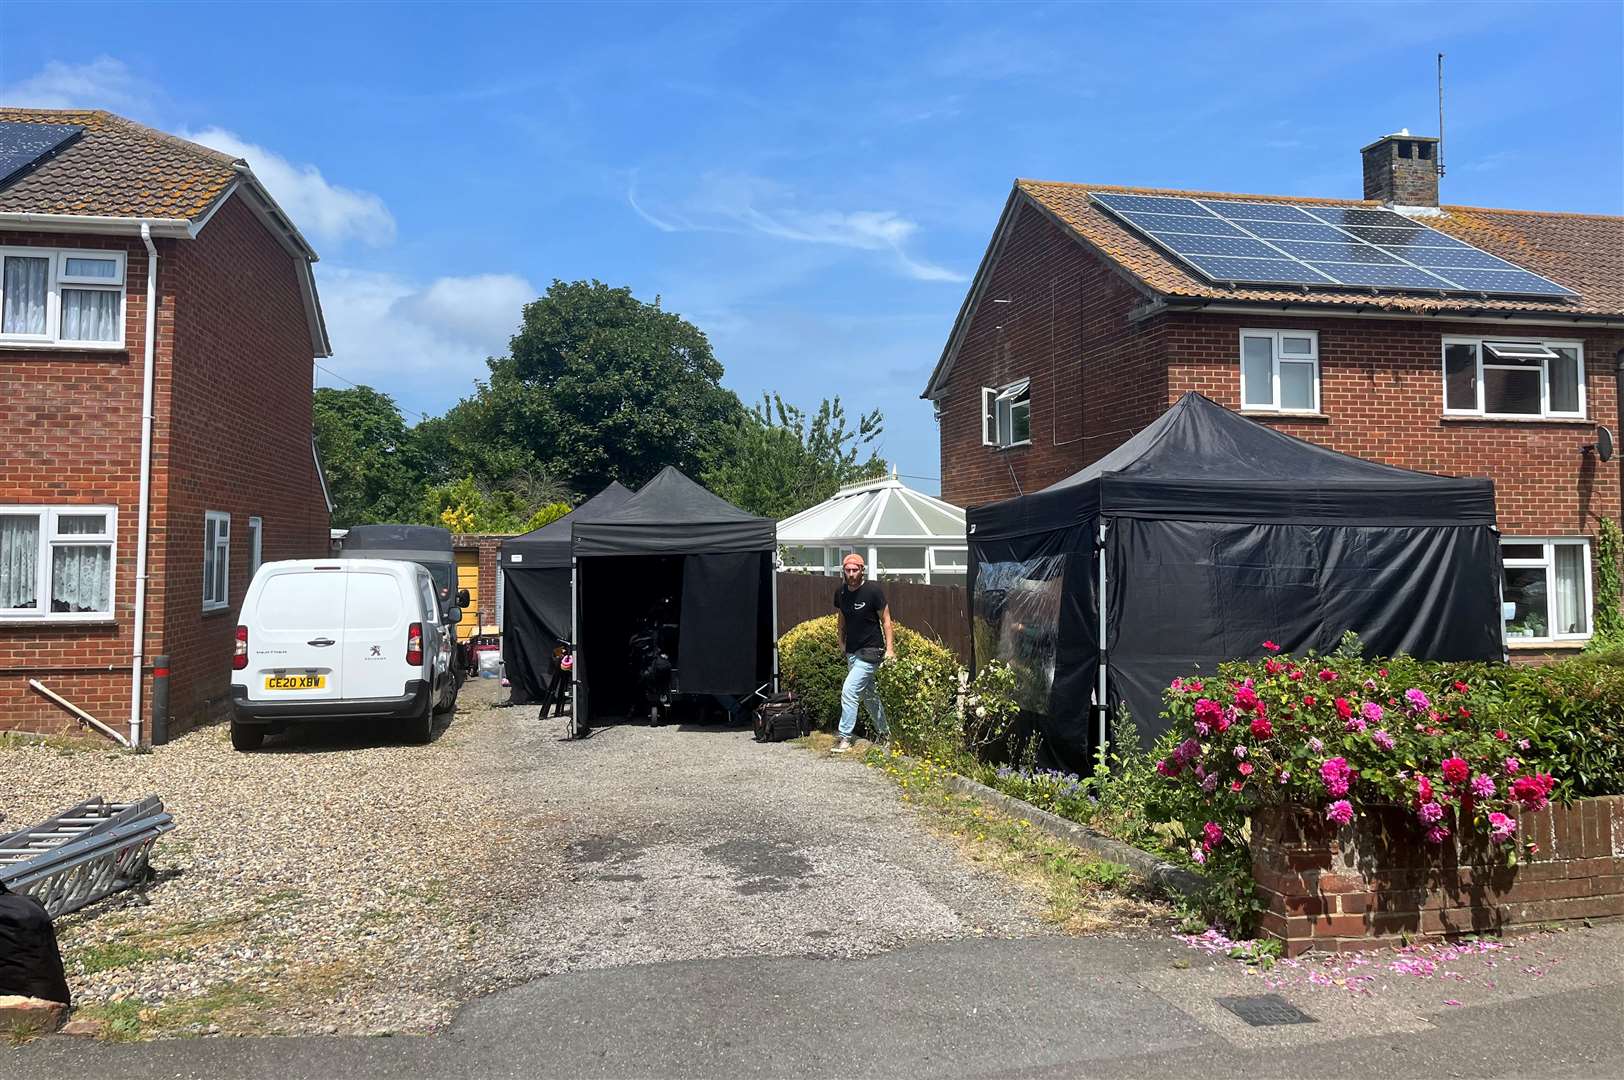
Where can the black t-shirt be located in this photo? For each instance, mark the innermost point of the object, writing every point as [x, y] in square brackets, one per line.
[862, 607]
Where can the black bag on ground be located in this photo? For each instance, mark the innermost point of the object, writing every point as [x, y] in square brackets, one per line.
[30, 963]
[779, 718]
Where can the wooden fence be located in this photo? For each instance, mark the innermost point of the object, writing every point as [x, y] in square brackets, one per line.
[938, 611]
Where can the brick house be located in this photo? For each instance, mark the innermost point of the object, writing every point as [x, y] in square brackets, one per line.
[138, 266]
[1079, 330]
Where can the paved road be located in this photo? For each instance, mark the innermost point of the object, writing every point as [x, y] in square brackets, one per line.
[992, 1008]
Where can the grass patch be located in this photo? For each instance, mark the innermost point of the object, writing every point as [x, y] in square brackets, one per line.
[114, 954]
[120, 1020]
[1083, 893]
[66, 744]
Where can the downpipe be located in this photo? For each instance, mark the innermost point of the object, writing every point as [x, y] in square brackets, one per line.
[143, 515]
[80, 713]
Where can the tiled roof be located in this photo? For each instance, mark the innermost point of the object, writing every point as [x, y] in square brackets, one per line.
[1584, 252]
[117, 168]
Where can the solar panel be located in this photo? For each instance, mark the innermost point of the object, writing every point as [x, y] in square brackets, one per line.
[1274, 243]
[24, 145]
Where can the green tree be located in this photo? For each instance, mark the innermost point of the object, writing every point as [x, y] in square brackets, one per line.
[778, 463]
[597, 386]
[467, 506]
[374, 468]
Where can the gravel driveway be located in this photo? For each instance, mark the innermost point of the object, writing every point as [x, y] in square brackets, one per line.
[335, 884]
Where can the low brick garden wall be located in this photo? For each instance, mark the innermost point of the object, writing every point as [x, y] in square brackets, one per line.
[1336, 889]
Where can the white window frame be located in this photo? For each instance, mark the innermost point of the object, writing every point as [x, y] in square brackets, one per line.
[49, 541]
[58, 279]
[1545, 410]
[1277, 356]
[1547, 562]
[998, 405]
[214, 550]
[256, 529]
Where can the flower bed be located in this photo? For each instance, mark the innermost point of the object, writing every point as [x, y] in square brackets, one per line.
[1322, 754]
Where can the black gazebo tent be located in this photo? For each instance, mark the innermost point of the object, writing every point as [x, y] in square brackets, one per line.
[1207, 534]
[674, 541]
[536, 572]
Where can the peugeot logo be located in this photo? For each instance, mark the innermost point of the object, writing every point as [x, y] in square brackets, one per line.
[377, 650]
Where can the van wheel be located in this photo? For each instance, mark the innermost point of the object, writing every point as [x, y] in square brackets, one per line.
[447, 706]
[247, 736]
[419, 729]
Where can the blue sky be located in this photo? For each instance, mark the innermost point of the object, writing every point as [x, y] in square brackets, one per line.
[812, 185]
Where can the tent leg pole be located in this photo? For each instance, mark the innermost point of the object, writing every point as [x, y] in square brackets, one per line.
[1104, 653]
[575, 652]
[773, 569]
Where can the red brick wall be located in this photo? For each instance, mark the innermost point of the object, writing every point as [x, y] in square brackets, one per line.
[1335, 889]
[70, 432]
[1381, 390]
[1096, 377]
[239, 440]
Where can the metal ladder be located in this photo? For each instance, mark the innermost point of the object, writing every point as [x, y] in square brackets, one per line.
[87, 852]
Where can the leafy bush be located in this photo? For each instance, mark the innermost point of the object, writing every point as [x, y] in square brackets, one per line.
[1573, 711]
[919, 689]
[1609, 585]
[1342, 734]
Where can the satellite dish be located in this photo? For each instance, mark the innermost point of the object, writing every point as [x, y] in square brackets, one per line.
[1603, 446]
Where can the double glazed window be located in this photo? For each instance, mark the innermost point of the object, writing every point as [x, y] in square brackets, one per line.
[1280, 370]
[56, 297]
[216, 560]
[1547, 589]
[1006, 414]
[1518, 378]
[56, 562]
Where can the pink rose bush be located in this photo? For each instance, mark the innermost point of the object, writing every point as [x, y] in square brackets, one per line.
[1394, 734]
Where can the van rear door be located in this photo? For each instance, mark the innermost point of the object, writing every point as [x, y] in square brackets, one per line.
[377, 612]
[293, 636]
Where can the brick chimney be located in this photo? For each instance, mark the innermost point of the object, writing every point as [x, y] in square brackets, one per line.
[1402, 169]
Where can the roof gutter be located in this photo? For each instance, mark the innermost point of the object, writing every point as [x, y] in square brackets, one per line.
[144, 513]
[1364, 311]
[174, 228]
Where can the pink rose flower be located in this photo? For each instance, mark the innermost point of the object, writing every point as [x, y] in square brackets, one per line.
[1455, 770]
[1336, 774]
[1210, 783]
[1371, 712]
[1271, 646]
[1273, 666]
[1483, 786]
[1208, 711]
[1501, 827]
[1512, 765]
[1430, 812]
[1213, 834]
[1327, 675]
[1197, 856]
[1261, 728]
[1240, 751]
[1246, 699]
[1245, 768]
[1418, 699]
[1437, 834]
[1340, 812]
[1381, 739]
[1355, 724]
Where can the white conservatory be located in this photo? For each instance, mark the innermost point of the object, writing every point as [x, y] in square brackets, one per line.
[904, 534]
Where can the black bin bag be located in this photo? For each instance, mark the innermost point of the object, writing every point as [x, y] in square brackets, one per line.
[30, 963]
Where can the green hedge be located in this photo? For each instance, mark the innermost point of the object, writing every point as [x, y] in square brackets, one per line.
[919, 689]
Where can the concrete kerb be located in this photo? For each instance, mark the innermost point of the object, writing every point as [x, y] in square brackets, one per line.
[1164, 875]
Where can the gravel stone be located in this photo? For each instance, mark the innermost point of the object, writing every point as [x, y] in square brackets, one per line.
[338, 882]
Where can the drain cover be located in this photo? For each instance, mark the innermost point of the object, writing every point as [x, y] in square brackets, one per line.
[1264, 1010]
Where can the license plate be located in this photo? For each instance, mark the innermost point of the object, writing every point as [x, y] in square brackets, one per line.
[295, 682]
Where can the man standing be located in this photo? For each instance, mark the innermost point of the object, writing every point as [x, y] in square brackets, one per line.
[865, 632]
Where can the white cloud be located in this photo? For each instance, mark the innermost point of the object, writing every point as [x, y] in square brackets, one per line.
[749, 205]
[319, 209]
[103, 83]
[422, 341]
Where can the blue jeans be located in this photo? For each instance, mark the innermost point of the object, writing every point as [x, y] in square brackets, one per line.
[859, 685]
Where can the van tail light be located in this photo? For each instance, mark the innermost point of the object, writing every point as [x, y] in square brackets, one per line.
[414, 644]
[239, 658]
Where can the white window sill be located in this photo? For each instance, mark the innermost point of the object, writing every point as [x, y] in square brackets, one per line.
[1283, 414]
[1497, 418]
[57, 619]
[215, 609]
[1012, 445]
[1546, 644]
[63, 346]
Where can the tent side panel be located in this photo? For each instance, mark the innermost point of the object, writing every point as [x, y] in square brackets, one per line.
[1187, 595]
[536, 610]
[1033, 607]
[719, 648]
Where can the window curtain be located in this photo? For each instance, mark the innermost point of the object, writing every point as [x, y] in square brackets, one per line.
[1571, 616]
[19, 561]
[89, 315]
[26, 284]
[82, 578]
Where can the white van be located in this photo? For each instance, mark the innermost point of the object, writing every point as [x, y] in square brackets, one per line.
[330, 639]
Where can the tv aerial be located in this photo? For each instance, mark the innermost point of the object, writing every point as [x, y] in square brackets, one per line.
[1602, 447]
